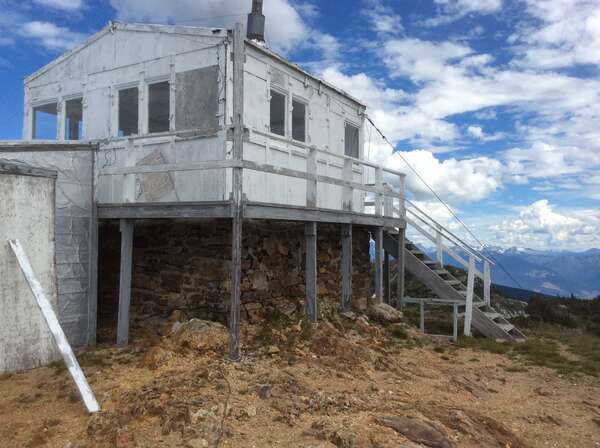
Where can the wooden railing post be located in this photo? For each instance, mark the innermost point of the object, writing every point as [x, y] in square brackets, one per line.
[311, 182]
[469, 299]
[487, 282]
[348, 194]
[388, 201]
[439, 246]
[402, 205]
[401, 267]
[379, 194]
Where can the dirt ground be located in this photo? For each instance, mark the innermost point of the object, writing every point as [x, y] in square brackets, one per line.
[346, 383]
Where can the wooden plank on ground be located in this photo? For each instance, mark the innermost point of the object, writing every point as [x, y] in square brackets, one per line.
[57, 332]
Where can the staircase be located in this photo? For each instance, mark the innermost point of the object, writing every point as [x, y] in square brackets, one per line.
[484, 318]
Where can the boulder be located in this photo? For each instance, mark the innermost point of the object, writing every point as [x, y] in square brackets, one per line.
[419, 430]
[384, 313]
[201, 335]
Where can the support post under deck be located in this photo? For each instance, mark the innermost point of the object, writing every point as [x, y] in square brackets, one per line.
[125, 281]
[387, 293]
[93, 278]
[401, 268]
[378, 235]
[310, 237]
[236, 195]
[346, 266]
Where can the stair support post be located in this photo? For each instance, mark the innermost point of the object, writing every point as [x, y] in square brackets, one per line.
[469, 299]
[310, 237]
[455, 322]
[487, 282]
[378, 234]
[346, 266]
[422, 316]
[439, 245]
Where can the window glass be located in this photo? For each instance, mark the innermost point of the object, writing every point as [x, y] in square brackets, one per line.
[351, 141]
[277, 113]
[128, 112]
[73, 119]
[299, 121]
[158, 107]
[45, 119]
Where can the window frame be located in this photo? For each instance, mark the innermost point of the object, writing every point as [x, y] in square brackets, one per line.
[120, 88]
[304, 102]
[37, 105]
[65, 100]
[285, 111]
[148, 84]
[357, 127]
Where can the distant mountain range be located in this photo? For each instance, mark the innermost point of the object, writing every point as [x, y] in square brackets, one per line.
[548, 272]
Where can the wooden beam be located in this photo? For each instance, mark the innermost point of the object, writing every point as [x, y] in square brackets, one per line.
[401, 266]
[125, 281]
[157, 210]
[54, 326]
[378, 236]
[386, 278]
[93, 278]
[236, 198]
[346, 266]
[310, 237]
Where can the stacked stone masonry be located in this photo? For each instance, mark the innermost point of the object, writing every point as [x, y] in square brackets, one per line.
[186, 266]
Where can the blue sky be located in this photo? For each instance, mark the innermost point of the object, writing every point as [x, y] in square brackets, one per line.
[495, 102]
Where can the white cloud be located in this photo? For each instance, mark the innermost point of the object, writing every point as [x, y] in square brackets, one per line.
[542, 160]
[562, 33]
[539, 226]
[383, 18]
[50, 35]
[453, 10]
[476, 132]
[285, 27]
[66, 5]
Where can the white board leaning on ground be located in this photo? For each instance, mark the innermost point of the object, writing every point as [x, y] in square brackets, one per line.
[59, 336]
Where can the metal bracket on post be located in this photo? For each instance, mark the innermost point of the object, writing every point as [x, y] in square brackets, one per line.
[470, 292]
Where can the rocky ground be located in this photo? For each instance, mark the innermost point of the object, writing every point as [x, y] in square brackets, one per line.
[351, 381]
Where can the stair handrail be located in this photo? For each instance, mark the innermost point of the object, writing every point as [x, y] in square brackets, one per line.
[457, 240]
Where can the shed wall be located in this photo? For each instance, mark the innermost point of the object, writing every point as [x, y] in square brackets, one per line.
[72, 224]
[26, 214]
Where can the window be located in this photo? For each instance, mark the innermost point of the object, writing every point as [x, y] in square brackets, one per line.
[128, 111]
[158, 107]
[73, 119]
[299, 121]
[277, 113]
[45, 119]
[351, 141]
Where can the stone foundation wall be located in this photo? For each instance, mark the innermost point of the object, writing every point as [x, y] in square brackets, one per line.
[186, 266]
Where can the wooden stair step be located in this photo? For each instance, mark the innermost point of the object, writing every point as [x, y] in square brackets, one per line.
[416, 252]
[453, 282]
[430, 262]
[506, 327]
[441, 272]
[493, 315]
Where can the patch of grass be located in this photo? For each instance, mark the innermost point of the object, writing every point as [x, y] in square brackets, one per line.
[489, 345]
[398, 332]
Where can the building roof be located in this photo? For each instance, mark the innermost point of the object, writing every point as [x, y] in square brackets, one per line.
[111, 27]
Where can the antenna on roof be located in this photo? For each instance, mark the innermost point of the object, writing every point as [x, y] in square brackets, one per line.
[256, 23]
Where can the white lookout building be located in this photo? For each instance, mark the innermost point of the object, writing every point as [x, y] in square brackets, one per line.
[158, 127]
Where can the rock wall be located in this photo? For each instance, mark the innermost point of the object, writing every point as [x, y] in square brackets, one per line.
[186, 266]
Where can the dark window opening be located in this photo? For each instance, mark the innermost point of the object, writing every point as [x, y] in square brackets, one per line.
[73, 119]
[277, 113]
[45, 119]
[299, 121]
[128, 112]
[158, 109]
[351, 141]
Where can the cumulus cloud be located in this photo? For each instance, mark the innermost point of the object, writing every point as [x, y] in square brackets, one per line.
[66, 5]
[383, 19]
[540, 226]
[561, 33]
[285, 27]
[50, 35]
[452, 10]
